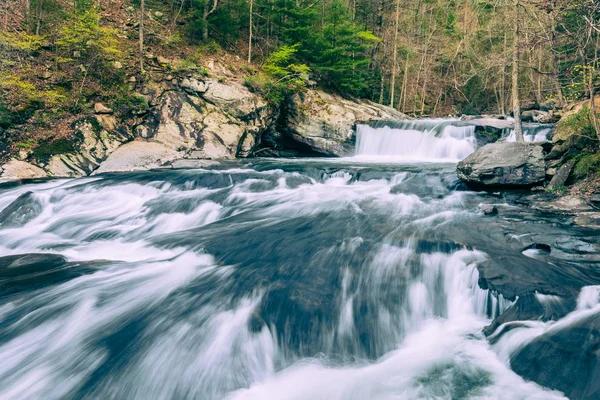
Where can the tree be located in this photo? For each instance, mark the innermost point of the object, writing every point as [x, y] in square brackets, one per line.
[515, 76]
[250, 33]
[142, 7]
[395, 55]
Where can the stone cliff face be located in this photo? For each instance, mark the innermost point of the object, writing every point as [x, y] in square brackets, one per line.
[193, 117]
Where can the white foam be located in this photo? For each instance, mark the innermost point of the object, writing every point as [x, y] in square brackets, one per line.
[417, 140]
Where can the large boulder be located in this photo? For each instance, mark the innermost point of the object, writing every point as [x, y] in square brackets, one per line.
[515, 164]
[565, 358]
[317, 123]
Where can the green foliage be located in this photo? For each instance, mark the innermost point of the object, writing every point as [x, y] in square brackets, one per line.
[83, 33]
[587, 164]
[282, 75]
[342, 51]
[45, 149]
[26, 145]
[27, 93]
[11, 117]
[20, 41]
[580, 123]
[559, 190]
[125, 103]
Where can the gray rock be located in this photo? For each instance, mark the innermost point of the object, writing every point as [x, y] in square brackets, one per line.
[193, 86]
[489, 209]
[513, 164]
[588, 220]
[24, 209]
[543, 117]
[99, 141]
[562, 175]
[138, 155]
[16, 170]
[233, 98]
[100, 108]
[565, 358]
[566, 205]
[318, 123]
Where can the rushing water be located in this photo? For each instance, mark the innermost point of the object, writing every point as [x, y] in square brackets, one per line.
[273, 279]
[419, 140]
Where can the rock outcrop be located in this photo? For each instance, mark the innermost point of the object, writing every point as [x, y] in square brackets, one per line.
[316, 123]
[504, 165]
[97, 139]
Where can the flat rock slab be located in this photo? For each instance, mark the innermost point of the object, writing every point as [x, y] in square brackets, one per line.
[515, 164]
[138, 155]
[16, 170]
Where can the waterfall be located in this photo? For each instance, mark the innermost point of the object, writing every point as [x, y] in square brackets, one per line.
[532, 133]
[423, 140]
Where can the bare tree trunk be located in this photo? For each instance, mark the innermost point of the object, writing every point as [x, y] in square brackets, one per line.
[39, 17]
[382, 88]
[405, 85]
[395, 55]
[250, 33]
[592, 91]
[142, 12]
[28, 15]
[593, 104]
[205, 15]
[205, 21]
[515, 78]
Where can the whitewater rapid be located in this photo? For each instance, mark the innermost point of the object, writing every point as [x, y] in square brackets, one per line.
[271, 280]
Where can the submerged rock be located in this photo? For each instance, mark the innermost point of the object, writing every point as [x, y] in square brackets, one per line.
[24, 209]
[28, 272]
[530, 307]
[515, 164]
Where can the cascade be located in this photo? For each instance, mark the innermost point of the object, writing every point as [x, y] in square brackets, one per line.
[423, 140]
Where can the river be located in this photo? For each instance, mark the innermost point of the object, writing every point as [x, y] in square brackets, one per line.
[261, 279]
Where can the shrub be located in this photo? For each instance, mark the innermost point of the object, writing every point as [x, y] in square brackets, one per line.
[282, 77]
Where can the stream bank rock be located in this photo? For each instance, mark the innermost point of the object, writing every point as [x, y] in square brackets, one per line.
[316, 123]
[515, 164]
[138, 155]
[97, 138]
[15, 170]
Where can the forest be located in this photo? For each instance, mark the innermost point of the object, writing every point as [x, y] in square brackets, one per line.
[422, 57]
